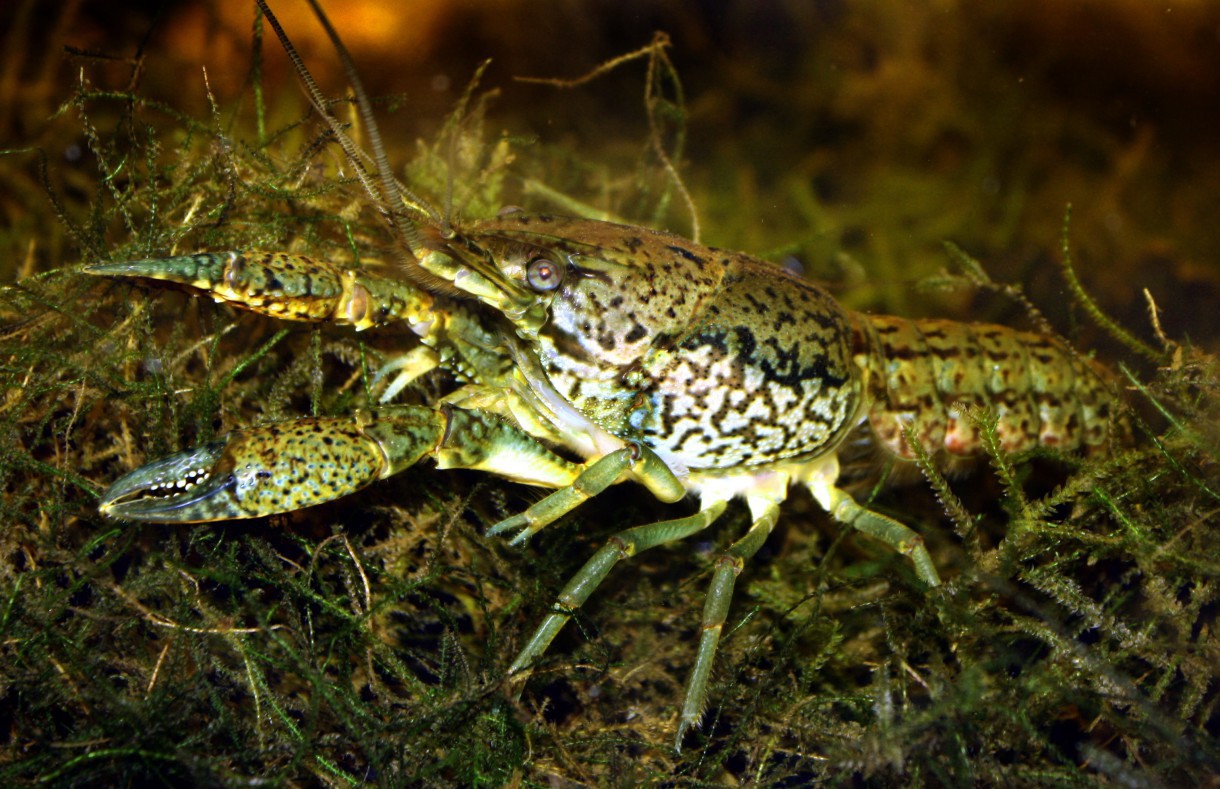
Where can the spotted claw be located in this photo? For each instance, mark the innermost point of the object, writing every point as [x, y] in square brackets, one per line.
[274, 468]
[180, 488]
[286, 285]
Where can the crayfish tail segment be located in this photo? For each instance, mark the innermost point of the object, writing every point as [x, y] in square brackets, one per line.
[288, 286]
[287, 466]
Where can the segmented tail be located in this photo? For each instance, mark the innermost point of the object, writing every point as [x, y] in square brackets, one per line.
[920, 374]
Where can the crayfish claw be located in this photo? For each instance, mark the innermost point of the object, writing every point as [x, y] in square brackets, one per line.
[519, 521]
[278, 467]
[181, 488]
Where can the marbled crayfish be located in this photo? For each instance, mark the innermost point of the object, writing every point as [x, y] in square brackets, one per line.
[590, 353]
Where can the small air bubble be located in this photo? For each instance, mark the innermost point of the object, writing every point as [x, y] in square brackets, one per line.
[73, 153]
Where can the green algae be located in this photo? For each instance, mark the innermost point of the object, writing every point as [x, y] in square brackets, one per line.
[367, 641]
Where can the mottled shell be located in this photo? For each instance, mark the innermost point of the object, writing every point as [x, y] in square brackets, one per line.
[763, 375]
[720, 361]
[715, 359]
[922, 372]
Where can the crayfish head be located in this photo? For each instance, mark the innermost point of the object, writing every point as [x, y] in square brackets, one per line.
[610, 293]
[480, 272]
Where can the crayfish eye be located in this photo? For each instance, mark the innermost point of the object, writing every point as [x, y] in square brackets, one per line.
[543, 274]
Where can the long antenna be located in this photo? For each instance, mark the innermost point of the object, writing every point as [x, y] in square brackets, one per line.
[391, 195]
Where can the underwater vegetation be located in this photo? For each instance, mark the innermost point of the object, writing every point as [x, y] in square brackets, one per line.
[367, 640]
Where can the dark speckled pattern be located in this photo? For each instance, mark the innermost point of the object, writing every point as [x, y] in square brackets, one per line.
[714, 358]
[284, 285]
[921, 371]
[724, 362]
